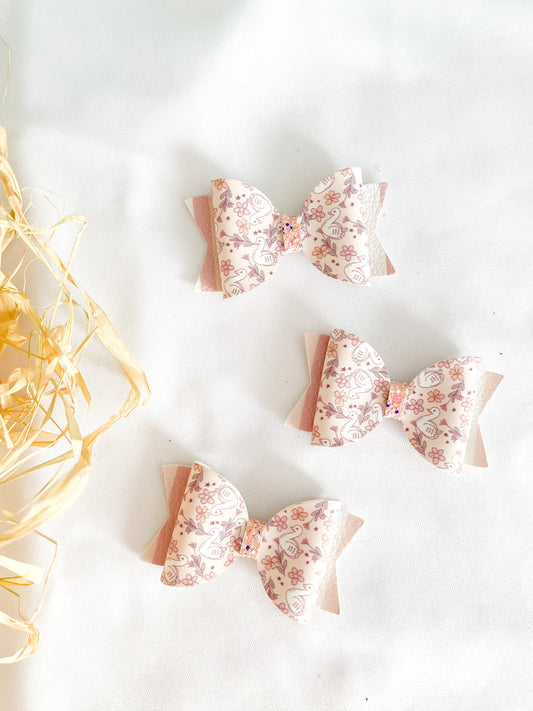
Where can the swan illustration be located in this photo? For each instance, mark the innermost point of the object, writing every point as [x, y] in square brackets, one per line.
[261, 206]
[232, 285]
[355, 271]
[426, 423]
[430, 378]
[262, 257]
[210, 548]
[363, 384]
[365, 352]
[228, 500]
[287, 543]
[351, 431]
[331, 228]
[296, 598]
[180, 561]
[324, 185]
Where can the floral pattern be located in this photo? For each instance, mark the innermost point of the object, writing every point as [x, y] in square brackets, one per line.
[437, 408]
[292, 550]
[250, 236]
[292, 564]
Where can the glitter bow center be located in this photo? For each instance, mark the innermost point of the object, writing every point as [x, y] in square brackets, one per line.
[252, 537]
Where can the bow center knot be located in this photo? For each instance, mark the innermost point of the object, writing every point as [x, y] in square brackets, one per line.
[397, 400]
[252, 537]
[291, 231]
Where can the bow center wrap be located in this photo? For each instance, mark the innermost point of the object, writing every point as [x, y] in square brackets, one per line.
[291, 231]
[252, 538]
[397, 400]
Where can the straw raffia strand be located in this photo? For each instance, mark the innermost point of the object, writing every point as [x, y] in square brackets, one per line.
[41, 398]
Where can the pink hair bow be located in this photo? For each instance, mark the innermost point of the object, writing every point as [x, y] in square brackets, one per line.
[351, 391]
[208, 528]
[246, 235]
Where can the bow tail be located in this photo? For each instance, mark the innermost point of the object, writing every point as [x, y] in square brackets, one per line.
[373, 198]
[175, 479]
[201, 209]
[475, 449]
[329, 593]
[302, 416]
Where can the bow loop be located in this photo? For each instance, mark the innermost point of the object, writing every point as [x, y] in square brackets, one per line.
[353, 391]
[208, 530]
[208, 527]
[246, 237]
[350, 391]
[294, 554]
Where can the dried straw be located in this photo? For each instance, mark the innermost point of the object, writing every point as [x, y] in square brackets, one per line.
[41, 398]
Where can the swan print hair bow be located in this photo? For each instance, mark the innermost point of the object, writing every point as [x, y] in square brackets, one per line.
[208, 529]
[351, 391]
[246, 235]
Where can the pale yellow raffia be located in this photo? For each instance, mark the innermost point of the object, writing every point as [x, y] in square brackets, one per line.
[40, 398]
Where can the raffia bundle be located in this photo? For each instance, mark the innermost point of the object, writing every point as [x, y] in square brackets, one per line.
[41, 398]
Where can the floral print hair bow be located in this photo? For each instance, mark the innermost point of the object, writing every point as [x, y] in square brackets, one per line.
[351, 391]
[246, 235]
[208, 529]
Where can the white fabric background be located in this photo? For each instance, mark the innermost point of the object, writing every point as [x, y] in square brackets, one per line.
[124, 110]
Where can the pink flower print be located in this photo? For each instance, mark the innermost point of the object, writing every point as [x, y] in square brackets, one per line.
[467, 404]
[298, 514]
[465, 421]
[220, 184]
[330, 522]
[283, 607]
[320, 251]
[456, 372]
[226, 267]
[235, 543]
[280, 522]
[343, 380]
[331, 197]
[316, 432]
[296, 576]
[332, 349]
[381, 386]
[190, 579]
[436, 456]
[270, 562]
[417, 406]
[210, 575]
[202, 512]
[340, 397]
[206, 497]
[317, 213]
[435, 396]
[173, 547]
[348, 251]
[229, 560]
[444, 363]
[241, 209]
[243, 226]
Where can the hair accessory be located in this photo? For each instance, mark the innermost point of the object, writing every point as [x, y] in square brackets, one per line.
[208, 529]
[246, 236]
[351, 391]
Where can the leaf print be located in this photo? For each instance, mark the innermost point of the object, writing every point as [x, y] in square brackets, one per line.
[320, 508]
[456, 391]
[197, 565]
[270, 588]
[192, 525]
[418, 443]
[332, 410]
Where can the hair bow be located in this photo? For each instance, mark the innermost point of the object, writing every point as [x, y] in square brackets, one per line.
[351, 391]
[208, 528]
[246, 235]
